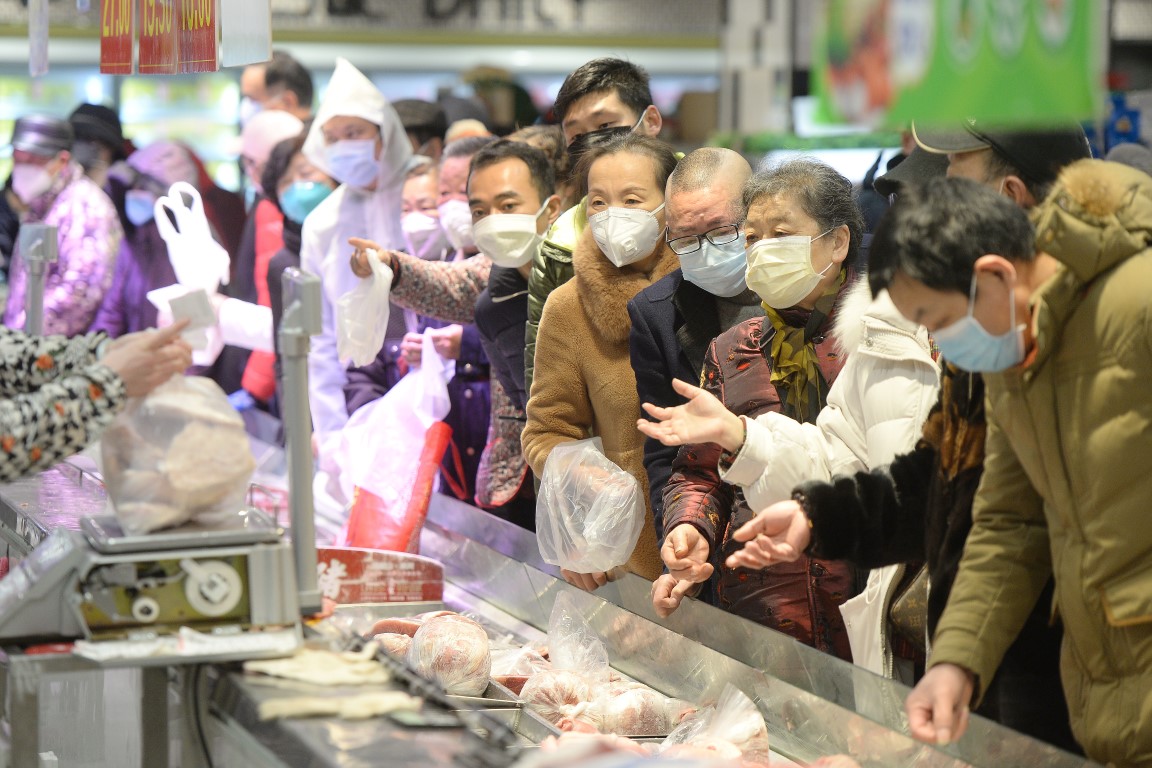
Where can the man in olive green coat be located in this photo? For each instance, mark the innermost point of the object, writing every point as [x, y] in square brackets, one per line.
[1066, 339]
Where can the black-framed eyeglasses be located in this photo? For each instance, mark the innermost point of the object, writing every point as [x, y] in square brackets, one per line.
[691, 243]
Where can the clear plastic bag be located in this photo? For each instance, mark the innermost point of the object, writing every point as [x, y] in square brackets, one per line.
[731, 729]
[178, 454]
[589, 512]
[452, 651]
[362, 315]
[564, 695]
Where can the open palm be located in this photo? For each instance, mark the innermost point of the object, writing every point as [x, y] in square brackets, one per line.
[703, 419]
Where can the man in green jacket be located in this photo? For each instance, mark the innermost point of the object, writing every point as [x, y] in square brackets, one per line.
[1065, 339]
[598, 100]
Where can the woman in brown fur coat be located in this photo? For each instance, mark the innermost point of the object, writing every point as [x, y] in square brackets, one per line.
[584, 385]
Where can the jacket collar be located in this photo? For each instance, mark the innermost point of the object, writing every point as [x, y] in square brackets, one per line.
[605, 289]
[697, 322]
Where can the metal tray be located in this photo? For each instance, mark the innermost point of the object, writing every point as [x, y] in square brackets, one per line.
[106, 535]
[529, 727]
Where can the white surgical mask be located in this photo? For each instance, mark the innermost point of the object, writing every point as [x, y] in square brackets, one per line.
[780, 269]
[718, 269]
[353, 162]
[509, 239]
[456, 221]
[425, 238]
[30, 181]
[626, 235]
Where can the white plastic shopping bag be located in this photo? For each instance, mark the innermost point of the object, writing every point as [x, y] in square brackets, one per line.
[198, 260]
[589, 512]
[362, 315]
[382, 446]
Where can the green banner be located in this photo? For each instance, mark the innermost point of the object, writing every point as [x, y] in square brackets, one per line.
[1010, 62]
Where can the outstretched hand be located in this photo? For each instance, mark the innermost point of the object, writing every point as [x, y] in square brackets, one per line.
[777, 534]
[365, 249]
[703, 419]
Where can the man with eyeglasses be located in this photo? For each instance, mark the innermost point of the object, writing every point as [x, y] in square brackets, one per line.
[674, 319]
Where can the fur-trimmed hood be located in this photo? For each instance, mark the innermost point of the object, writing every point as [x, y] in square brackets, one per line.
[605, 289]
[1097, 215]
[860, 317]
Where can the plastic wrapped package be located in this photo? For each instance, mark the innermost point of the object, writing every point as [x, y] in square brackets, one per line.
[565, 694]
[511, 667]
[589, 512]
[562, 697]
[634, 709]
[177, 454]
[452, 651]
[732, 729]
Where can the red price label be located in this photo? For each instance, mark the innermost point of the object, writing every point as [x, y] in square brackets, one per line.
[116, 37]
[198, 52]
[158, 37]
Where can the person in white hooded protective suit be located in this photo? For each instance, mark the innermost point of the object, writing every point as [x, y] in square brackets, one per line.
[358, 140]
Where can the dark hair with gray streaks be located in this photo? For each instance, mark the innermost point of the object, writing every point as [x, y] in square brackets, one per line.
[824, 194]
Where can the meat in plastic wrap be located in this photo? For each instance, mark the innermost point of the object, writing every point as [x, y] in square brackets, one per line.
[732, 729]
[512, 666]
[564, 695]
[633, 709]
[178, 454]
[452, 651]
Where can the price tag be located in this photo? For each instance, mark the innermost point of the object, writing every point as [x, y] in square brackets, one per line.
[115, 37]
[197, 48]
[158, 37]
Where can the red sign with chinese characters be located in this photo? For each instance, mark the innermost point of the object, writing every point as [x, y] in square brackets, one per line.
[116, 37]
[197, 21]
[158, 37]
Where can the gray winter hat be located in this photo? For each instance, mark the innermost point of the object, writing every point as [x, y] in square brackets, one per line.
[42, 135]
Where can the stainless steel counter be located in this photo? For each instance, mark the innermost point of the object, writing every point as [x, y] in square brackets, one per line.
[814, 704]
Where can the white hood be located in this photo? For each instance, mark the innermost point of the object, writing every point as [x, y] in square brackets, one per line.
[351, 94]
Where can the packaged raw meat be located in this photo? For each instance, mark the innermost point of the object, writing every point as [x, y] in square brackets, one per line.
[397, 626]
[511, 667]
[177, 454]
[452, 650]
[732, 728]
[395, 644]
[560, 696]
[637, 710]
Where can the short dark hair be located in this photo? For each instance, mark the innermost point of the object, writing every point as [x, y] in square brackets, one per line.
[543, 177]
[663, 158]
[550, 141]
[629, 81]
[936, 231]
[465, 147]
[421, 119]
[284, 71]
[824, 194]
[277, 165]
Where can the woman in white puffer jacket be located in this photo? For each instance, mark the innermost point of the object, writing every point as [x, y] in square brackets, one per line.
[875, 411]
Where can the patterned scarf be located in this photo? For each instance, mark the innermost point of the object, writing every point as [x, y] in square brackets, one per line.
[795, 363]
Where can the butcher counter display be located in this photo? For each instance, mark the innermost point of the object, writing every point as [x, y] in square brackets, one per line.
[811, 705]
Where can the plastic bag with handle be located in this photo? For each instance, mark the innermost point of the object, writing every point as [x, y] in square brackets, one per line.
[589, 512]
[362, 316]
[390, 451]
[198, 260]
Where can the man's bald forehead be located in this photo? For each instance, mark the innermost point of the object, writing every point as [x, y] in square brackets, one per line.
[705, 167]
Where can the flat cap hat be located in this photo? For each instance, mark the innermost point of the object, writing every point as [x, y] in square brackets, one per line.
[42, 135]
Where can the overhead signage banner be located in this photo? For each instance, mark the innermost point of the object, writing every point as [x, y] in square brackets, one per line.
[116, 37]
[158, 41]
[197, 46]
[1010, 62]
